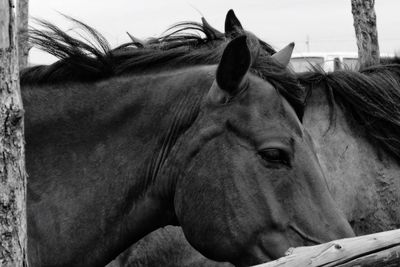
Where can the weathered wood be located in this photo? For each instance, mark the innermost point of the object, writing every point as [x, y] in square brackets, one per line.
[389, 258]
[366, 33]
[22, 22]
[13, 230]
[378, 250]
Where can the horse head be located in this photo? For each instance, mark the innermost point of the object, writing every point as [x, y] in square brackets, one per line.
[251, 186]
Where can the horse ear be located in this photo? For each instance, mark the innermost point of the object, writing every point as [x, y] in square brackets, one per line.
[233, 67]
[210, 31]
[284, 55]
[232, 24]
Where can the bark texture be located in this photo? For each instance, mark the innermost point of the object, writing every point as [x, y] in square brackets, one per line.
[366, 32]
[13, 230]
[22, 22]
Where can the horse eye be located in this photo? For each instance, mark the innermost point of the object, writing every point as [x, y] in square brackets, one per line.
[274, 155]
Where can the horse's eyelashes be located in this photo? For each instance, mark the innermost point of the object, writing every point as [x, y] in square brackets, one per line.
[275, 156]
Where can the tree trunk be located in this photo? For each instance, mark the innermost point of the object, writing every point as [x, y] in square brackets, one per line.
[366, 32]
[22, 22]
[13, 232]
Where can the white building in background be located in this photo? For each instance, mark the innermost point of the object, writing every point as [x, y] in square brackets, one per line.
[327, 61]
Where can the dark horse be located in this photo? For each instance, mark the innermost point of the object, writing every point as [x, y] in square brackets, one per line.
[121, 142]
[354, 120]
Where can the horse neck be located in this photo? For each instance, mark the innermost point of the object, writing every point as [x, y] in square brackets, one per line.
[95, 157]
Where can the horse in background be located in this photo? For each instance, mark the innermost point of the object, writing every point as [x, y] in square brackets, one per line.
[203, 135]
[354, 119]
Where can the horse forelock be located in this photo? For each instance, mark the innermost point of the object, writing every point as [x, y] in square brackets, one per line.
[370, 99]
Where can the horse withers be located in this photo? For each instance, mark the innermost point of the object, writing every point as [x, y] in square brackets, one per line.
[217, 149]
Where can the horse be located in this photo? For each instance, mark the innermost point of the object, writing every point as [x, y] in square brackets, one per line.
[353, 118]
[207, 136]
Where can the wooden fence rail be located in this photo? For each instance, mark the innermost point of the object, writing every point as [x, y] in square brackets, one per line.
[377, 250]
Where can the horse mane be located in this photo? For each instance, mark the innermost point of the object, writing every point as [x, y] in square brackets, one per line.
[92, 58]
[185, 44]
[370, 99]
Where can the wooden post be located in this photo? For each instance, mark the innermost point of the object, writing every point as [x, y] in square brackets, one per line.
[366, 33]
[13, 231]
[378, 250]
[22, 22]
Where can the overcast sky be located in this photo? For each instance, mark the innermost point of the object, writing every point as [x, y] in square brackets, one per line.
[327, 23]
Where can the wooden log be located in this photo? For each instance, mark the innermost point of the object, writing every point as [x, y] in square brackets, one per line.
[378, 250]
